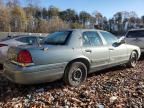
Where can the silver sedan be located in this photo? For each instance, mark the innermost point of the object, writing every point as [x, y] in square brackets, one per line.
[69, 54]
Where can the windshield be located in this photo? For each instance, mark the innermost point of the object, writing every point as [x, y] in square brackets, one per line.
[109, 37]
[57, 38]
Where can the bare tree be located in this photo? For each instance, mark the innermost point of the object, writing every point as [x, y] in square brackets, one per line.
[4, 20]
[84, 17]
[18, 19]
[98, 19]
[13, 3]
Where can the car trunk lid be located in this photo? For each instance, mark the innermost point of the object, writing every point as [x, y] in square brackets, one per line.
[39, 54]
[21, 57]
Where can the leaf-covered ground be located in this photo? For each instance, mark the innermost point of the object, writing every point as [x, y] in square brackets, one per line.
[117, 87]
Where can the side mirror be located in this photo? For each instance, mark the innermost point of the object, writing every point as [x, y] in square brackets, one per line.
[121, 40]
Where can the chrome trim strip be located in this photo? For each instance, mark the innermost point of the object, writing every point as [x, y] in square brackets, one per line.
[22, 64]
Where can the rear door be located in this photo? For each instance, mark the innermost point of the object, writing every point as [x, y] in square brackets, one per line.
[94, 49]
[136, 37]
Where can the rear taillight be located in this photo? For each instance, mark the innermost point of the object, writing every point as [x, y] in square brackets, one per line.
[24, 57]
[2, 45]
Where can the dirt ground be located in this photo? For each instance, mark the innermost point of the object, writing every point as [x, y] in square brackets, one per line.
[117, 87]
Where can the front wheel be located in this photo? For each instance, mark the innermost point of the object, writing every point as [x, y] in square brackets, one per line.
[75, 74]
[133, 60]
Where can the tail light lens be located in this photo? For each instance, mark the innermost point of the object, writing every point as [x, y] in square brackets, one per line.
[24, 57]
[2, 45]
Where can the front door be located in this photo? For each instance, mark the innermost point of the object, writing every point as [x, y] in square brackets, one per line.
[118, 53]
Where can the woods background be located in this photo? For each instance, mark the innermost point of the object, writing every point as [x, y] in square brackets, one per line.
[35, 19]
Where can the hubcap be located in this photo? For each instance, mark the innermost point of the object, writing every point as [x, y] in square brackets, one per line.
[77, 75]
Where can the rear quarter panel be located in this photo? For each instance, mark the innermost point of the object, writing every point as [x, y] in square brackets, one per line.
[57, 54]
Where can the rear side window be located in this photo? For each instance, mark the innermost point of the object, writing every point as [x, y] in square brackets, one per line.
[134, 34]
[91, 38]
[110, 38]
[27, 40]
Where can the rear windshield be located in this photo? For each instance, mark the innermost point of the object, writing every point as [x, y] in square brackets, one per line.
[7, 38]
[57, 38]
[134, 34]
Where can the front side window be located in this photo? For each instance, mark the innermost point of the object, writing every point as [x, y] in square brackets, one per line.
[57, 38]
[91, 38]
[110, 38]
[135, 34]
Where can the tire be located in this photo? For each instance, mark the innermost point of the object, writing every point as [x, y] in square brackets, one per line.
[1, 66]
[132, 60]
[75, 74]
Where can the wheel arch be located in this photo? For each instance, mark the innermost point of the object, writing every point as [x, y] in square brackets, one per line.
[136, 53]
[83, 60]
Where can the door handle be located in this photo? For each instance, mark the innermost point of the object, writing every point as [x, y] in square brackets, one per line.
[111, 49]
[137, 39]
[88, 50]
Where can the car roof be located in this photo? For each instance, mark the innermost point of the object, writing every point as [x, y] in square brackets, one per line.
[26, 36]
[82, 30]
[136, 29]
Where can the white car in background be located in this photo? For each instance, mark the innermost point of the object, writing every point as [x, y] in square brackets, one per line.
[135, 37]
[16, 41]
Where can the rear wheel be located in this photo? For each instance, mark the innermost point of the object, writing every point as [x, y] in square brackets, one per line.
[75, 74]
[133, 60]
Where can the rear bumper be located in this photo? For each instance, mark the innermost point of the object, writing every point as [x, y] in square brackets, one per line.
[34, 74]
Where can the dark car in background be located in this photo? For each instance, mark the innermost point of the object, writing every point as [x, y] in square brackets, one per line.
[136, 37]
